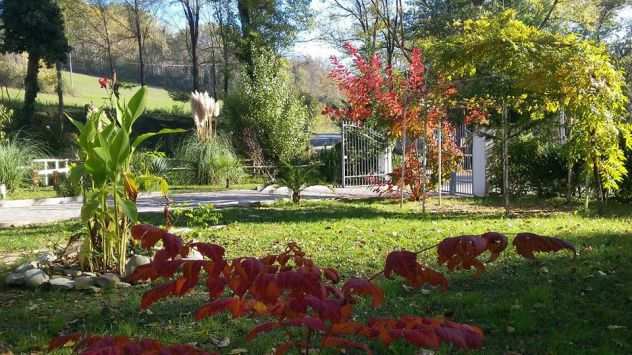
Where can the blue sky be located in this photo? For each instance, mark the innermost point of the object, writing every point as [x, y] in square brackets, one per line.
[308, 46]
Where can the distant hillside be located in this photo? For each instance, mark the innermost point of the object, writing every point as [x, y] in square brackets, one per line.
[85, 89]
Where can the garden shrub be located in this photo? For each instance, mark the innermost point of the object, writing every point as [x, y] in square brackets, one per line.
[267, 103]
[535, 166]
[16, 155]
[213, 161]
[64, 186]
[330, 167]
[200, 216]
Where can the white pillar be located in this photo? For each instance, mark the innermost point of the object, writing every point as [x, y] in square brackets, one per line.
[479, 165]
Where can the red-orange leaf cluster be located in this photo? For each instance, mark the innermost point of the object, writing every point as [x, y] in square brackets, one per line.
[528, 243]
[287, 287]
[91, 345]
[404, 263]
[462, 252]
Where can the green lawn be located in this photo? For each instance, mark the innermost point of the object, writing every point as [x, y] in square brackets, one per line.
[558, 305]
[85, 89]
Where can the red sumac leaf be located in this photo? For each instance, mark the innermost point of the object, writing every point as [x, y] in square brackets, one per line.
[331, 275]
[336, 342]
[346, 328]
[62, 340]
[215, 307]
[262, 328]
[403, 263]
[366, 288]
[143, 272]
[152, 296]
[462, 335]
[211, 251]
[148, 234]
[528, 243]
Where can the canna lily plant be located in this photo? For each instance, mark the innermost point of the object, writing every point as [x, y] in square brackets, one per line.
[205, 109]
[110, 188]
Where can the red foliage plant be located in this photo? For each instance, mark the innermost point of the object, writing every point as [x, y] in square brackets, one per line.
[406, 106]
[304, 301]
[294, 295]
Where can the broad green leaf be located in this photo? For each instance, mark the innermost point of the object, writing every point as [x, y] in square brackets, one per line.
[136, 107]
[145, 136]
[130, 210]
[119, 148]
[80, 126]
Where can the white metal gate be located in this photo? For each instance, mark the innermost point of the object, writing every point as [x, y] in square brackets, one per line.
[366, 157]
[461, 181]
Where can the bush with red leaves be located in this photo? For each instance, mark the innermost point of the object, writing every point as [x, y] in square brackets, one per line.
[305, 302]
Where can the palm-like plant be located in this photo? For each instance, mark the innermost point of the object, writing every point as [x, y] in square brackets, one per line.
[296, 178]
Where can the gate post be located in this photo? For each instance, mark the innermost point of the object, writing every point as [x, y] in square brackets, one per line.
[344, 156]
[479, 165]
[453, 184]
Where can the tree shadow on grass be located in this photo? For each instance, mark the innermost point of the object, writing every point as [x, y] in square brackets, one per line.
[342, 211]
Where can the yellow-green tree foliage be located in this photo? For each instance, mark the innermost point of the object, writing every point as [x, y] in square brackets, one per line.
[538, 73]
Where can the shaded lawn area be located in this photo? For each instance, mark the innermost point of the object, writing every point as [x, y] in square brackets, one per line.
[555, 306]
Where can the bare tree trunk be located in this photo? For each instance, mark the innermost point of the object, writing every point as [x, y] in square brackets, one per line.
[506, 159]
[569, 177]
[140, 42]
[31, 87]
[108, 41]
[60, 97]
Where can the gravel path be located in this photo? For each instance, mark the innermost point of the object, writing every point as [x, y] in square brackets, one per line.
[17, 216]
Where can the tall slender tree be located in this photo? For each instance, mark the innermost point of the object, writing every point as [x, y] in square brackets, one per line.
[192, 11]
[35, 27]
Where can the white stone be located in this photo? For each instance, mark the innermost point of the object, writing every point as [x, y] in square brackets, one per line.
[84, 282]
[194, 255]
[107, 280]
[62, 282]
[26, 266]
[46, 257]
[135, 261]
[35, 277]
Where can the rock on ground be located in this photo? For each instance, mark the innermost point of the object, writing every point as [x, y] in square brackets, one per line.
[62, 282]
[35, 277]
[135, 261]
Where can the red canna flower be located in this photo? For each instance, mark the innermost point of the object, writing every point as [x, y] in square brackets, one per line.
[103, 82]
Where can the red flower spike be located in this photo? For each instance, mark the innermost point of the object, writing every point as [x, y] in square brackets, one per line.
[103, 82]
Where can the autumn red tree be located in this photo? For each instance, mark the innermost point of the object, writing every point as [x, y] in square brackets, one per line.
[402, 103]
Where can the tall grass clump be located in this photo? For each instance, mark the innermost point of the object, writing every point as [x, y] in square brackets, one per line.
[16, 155]
[213, 161]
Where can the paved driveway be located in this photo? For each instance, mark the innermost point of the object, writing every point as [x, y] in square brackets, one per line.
[16, 216]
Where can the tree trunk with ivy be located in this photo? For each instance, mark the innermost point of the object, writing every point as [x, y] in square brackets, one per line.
[31, 87]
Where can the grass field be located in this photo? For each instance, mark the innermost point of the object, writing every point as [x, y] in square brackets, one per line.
[85, 89]
[558, 305]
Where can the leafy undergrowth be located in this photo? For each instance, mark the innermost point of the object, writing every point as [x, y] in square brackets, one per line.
[557, 305]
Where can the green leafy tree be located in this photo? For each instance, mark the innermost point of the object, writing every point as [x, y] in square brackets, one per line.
[35, 27]
[524, 75]
[272, 24]
[268, 105]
